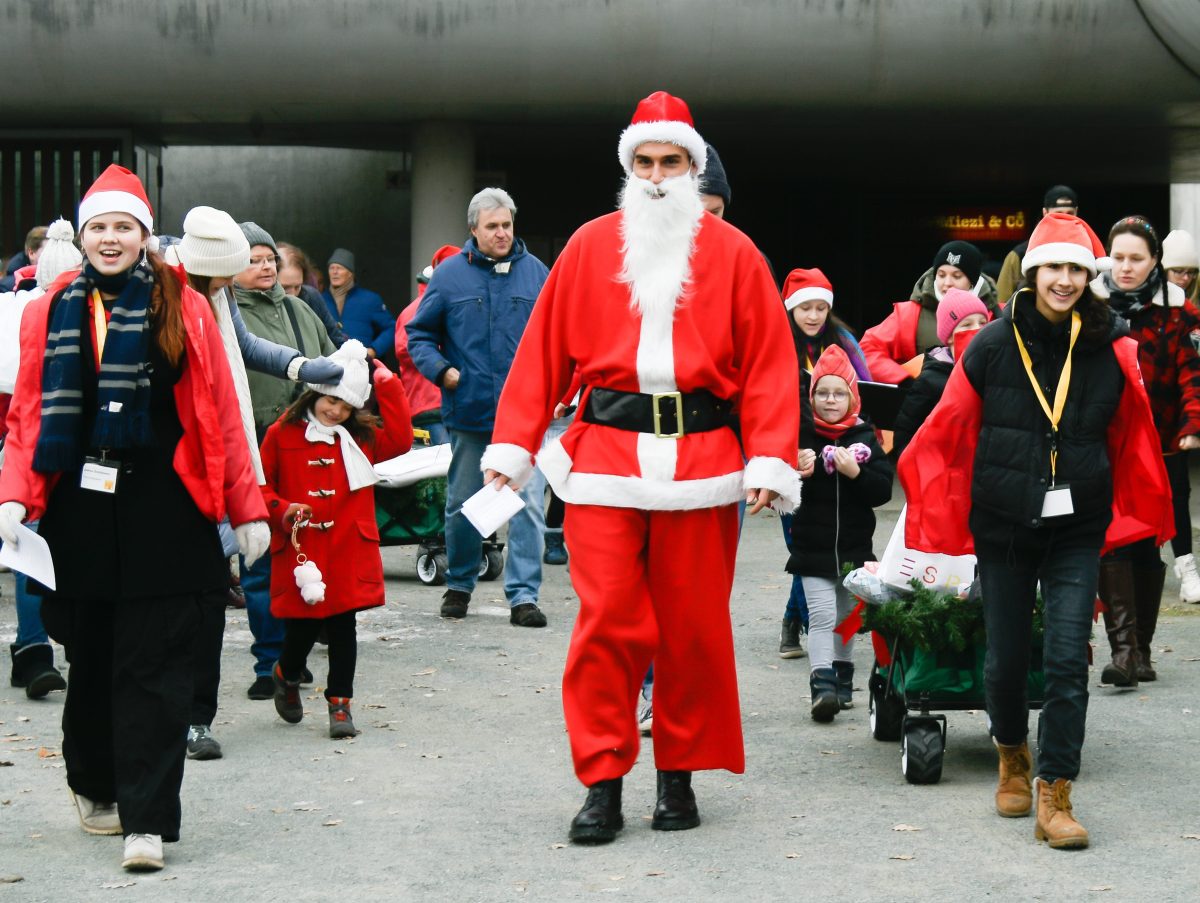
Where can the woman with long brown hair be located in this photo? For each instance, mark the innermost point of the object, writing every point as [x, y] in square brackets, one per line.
[125, 440]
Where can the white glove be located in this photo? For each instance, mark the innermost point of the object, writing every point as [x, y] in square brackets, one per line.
[253, 540]
[11, 514]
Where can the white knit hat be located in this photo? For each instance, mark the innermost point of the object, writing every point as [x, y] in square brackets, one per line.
[355, 387]
[213, 243]
[1179, 251]
[59, 253]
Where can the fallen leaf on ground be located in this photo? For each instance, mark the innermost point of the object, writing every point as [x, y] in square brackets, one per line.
[793, 856]
[22, 717]
[558, 846]
[1190, 836]
[11, 879]
[4, 764]
[905, 828]
[904, 857]
[44, 753]
[424, 672]
[332, 823]
[1101, 887]
[113, 885]
[655, 874]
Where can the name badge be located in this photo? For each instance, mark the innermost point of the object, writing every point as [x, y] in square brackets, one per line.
[99, 475]
[1058, 501]
[502, 268]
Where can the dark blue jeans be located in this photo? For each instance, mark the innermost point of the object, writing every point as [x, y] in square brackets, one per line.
[1067, 563]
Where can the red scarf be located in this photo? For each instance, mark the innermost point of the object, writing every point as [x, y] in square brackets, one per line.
[834, 362]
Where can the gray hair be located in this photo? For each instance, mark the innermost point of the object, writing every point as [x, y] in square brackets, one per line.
[488, 199]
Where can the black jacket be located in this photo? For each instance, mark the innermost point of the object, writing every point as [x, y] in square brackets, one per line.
[835, 523]
[923, 396]
[1012, 459]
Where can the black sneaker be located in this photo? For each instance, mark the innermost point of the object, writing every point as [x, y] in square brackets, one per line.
[287, 697]
[527, 614]
[454, 603]
[262, 688]
[201, 744]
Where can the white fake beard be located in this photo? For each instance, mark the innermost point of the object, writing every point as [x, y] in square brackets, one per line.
[658, 229]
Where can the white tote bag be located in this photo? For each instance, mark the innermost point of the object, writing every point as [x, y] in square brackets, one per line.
[900, 564]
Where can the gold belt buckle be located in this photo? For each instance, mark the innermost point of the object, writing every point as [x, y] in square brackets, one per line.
[654, 400]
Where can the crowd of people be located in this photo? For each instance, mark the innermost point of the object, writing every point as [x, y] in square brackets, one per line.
[193, 423]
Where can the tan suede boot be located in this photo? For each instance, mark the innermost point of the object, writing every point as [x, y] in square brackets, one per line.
[1014, 795]
[1055, 823]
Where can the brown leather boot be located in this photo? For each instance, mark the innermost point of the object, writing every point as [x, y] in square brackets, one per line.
[1055, 822]
[1147, 592]
[1120, 620]
[1014, 795]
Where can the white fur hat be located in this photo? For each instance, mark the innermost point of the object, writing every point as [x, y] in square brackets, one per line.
[355, 387]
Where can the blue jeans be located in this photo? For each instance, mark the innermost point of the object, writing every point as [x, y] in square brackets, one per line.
[464, 545]
[267, 629]
[1068, 568]
[30, 631]
[797, 605]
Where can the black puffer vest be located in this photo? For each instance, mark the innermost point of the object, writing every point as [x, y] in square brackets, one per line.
[1012, 459]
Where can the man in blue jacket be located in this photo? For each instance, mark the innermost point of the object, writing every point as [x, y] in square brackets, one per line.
[359, 311]
[463, 339]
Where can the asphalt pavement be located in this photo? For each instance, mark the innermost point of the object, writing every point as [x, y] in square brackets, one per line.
[460, 785]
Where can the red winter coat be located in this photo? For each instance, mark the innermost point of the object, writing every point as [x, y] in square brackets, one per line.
[937, 468]
[347, 554]
[212, 458]
[422, 394]
[892, 343]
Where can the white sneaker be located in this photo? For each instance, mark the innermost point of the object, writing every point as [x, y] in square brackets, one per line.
[97, 818]
[1189, 579]
[143, 852]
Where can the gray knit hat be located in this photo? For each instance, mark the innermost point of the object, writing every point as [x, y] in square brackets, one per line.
[344, 258]
[257, 235]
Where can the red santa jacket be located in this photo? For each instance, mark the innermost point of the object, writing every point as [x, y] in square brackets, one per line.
[937, 467]
[314, 474]
[892, 342]
[422, 394]
[728, 335]
[212, 458]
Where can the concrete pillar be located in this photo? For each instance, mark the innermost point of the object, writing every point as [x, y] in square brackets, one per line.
[1185, 180]
[1185, 207]
[443, 181]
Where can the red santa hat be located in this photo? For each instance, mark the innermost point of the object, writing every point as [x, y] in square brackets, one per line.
[662, 117]
[806, 285]
[1063, 238]
[117, 191]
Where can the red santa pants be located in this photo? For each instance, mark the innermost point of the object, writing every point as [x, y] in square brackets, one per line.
[653, 586]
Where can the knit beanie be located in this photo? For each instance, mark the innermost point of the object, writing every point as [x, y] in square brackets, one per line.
[256, 235]
[955, 306]
[713, 181]
[342, 258]
[834, 362]
[1178, 251]
[355, 387]
[59, 253]
[961, 254]
[213, 244]
[1056, 194]
[806, 285]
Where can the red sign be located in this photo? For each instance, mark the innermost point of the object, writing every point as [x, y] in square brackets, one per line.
[984, 225]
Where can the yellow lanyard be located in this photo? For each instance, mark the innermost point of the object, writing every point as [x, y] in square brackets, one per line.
[1060, 393]
[101, 324]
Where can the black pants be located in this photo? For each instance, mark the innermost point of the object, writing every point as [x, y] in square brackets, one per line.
[1181, 491]
[1142, 554]
[206, 659]
[299, 636]
[555, 511]
[129, 691]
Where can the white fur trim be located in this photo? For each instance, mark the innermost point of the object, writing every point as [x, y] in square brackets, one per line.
[811, 293]
[1062, 252]
[669, 132]
[635, 492]
[115, 202]
[776, 474]
[511, 460]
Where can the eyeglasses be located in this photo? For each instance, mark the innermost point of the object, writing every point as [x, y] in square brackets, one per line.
[262, 261]
[831, 395]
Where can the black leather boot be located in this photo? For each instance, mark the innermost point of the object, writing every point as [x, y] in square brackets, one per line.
[600, 818]
[1147, 591]
[33, 668]
[676, 809]
[845, 683]
[823, 684]
[1117, 591]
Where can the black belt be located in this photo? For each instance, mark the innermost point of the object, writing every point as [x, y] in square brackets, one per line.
[665, 414]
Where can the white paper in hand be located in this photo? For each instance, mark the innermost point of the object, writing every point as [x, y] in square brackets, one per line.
[488, 510]
[30, 556]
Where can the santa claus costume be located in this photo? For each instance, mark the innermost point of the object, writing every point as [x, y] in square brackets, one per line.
[674, 324]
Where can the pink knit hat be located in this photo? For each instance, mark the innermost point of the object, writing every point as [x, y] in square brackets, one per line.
[956, 305]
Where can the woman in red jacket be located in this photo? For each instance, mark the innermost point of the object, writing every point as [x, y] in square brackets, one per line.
[125, 441]
[318, 462]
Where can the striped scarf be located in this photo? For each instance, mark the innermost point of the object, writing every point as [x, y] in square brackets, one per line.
[123, 386]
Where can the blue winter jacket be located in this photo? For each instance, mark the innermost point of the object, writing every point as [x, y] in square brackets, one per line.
[471, 318]
[364, 317]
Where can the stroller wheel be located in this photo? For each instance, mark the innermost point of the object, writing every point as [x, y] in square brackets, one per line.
[492, 564]
[921, 751]
[431, 568]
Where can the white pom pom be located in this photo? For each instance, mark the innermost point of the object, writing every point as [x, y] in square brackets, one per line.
[152, 243]
[60, 230]
[309, 579]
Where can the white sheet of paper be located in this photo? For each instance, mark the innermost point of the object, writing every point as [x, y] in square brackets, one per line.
[30, 556]
[488, 509]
